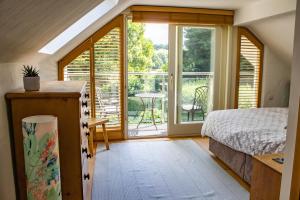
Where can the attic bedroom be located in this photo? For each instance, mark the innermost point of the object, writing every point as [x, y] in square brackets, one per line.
[126, 99]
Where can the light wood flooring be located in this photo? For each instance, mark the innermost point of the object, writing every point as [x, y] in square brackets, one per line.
[171, 169]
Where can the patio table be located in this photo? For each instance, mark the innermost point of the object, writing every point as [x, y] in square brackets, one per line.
[151, 96]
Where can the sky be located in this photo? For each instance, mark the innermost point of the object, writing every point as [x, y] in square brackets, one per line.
[158, 33]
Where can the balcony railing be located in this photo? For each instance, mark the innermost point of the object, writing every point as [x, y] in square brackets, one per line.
[157, 82]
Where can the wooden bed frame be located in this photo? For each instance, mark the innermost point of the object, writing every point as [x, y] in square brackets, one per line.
[239, 162]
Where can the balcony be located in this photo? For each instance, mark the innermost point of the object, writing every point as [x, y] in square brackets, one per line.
[148, 96]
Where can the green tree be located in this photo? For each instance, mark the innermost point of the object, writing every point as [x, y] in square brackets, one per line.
[160, 60]
[197, 50]
[140, 53]
[140, 49]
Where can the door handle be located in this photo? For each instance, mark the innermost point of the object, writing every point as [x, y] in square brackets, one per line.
[171, 78]
[171, 82]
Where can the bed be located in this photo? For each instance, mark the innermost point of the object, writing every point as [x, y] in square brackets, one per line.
[238, 134]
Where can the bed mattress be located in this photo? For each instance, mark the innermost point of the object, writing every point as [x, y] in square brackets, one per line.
[253, 131]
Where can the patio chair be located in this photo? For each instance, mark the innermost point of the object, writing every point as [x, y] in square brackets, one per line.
[199, 103]
[108, 106]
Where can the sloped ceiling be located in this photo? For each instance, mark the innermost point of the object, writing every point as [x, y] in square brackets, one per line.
[278, 33]
[26, 25]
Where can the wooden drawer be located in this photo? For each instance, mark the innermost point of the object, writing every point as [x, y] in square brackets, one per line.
[85, 177]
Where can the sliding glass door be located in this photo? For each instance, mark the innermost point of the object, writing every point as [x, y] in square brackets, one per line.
[192, 59]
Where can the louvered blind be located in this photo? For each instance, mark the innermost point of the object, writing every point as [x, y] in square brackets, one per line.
[79, 70]
[249, 74]
[107, 77]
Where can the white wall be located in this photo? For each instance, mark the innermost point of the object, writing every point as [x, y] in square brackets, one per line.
[278, 34]
[276, 79]
[293, 113]
[258, 10]
[10, 78]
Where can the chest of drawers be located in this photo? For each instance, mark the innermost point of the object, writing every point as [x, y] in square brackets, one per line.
[69, 102]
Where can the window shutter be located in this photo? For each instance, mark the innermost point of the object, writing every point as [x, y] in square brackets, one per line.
[99, 61]
[249, 70]
[108, 77]
[79, 70]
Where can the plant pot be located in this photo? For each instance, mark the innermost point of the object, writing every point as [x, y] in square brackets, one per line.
[31, 83]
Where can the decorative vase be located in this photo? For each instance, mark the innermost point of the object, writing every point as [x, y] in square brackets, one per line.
[31, 83]
[41, 155]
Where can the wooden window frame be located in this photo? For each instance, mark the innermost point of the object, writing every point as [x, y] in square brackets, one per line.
[88, 45]
[242, 31]
[192, 16]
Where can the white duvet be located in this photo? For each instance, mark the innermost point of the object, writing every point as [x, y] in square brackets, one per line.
[252, 131]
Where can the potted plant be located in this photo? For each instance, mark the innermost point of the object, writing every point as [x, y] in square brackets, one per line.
[31, 78]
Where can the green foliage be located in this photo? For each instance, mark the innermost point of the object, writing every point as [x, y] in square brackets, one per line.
[30, 71]
[246, 103]
[135, 84]
[197, 49]
[135, 104]
[160, 60]
[140, 49]
[188, 89]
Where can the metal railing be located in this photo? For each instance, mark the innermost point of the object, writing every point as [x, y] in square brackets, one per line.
[157, 82]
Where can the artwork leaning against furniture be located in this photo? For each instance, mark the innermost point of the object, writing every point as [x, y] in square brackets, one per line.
[41, 155]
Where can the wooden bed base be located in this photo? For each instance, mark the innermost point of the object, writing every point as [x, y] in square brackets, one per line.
[239, 162]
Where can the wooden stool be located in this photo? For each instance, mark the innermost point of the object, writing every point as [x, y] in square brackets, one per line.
[92, 123]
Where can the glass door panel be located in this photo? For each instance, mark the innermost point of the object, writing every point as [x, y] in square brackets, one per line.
[192, 66]
[194, 73]
[147, 79]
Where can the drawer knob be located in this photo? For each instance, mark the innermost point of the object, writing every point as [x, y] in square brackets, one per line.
[84, 103]
[84, 150]
[89, 156]
[87, 112]
[85, 124]
[86, 176]
[87, 95]
[87, 134]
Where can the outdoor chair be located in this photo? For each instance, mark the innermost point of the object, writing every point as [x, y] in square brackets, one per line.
[108, 106]
[199, 103]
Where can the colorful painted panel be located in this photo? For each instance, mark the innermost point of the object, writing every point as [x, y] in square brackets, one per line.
[41, 154]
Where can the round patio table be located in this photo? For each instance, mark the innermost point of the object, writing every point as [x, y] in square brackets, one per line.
[151, 96]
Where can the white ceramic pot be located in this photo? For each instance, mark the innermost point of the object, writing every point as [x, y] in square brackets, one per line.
[31, 83]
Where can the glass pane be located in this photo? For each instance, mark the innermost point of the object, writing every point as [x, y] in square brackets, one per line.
[147, 79]
[195, 73]
[107, 77]
[249, 74]
[79, 70]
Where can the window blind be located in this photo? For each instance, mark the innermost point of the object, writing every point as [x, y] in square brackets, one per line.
[79, 70]
[175, 15]
[108, 77]
[249, 70]
[98, 60]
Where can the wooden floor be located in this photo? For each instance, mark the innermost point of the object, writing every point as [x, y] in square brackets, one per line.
[162, 169]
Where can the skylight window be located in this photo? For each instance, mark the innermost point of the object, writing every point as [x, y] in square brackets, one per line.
[80, 25]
